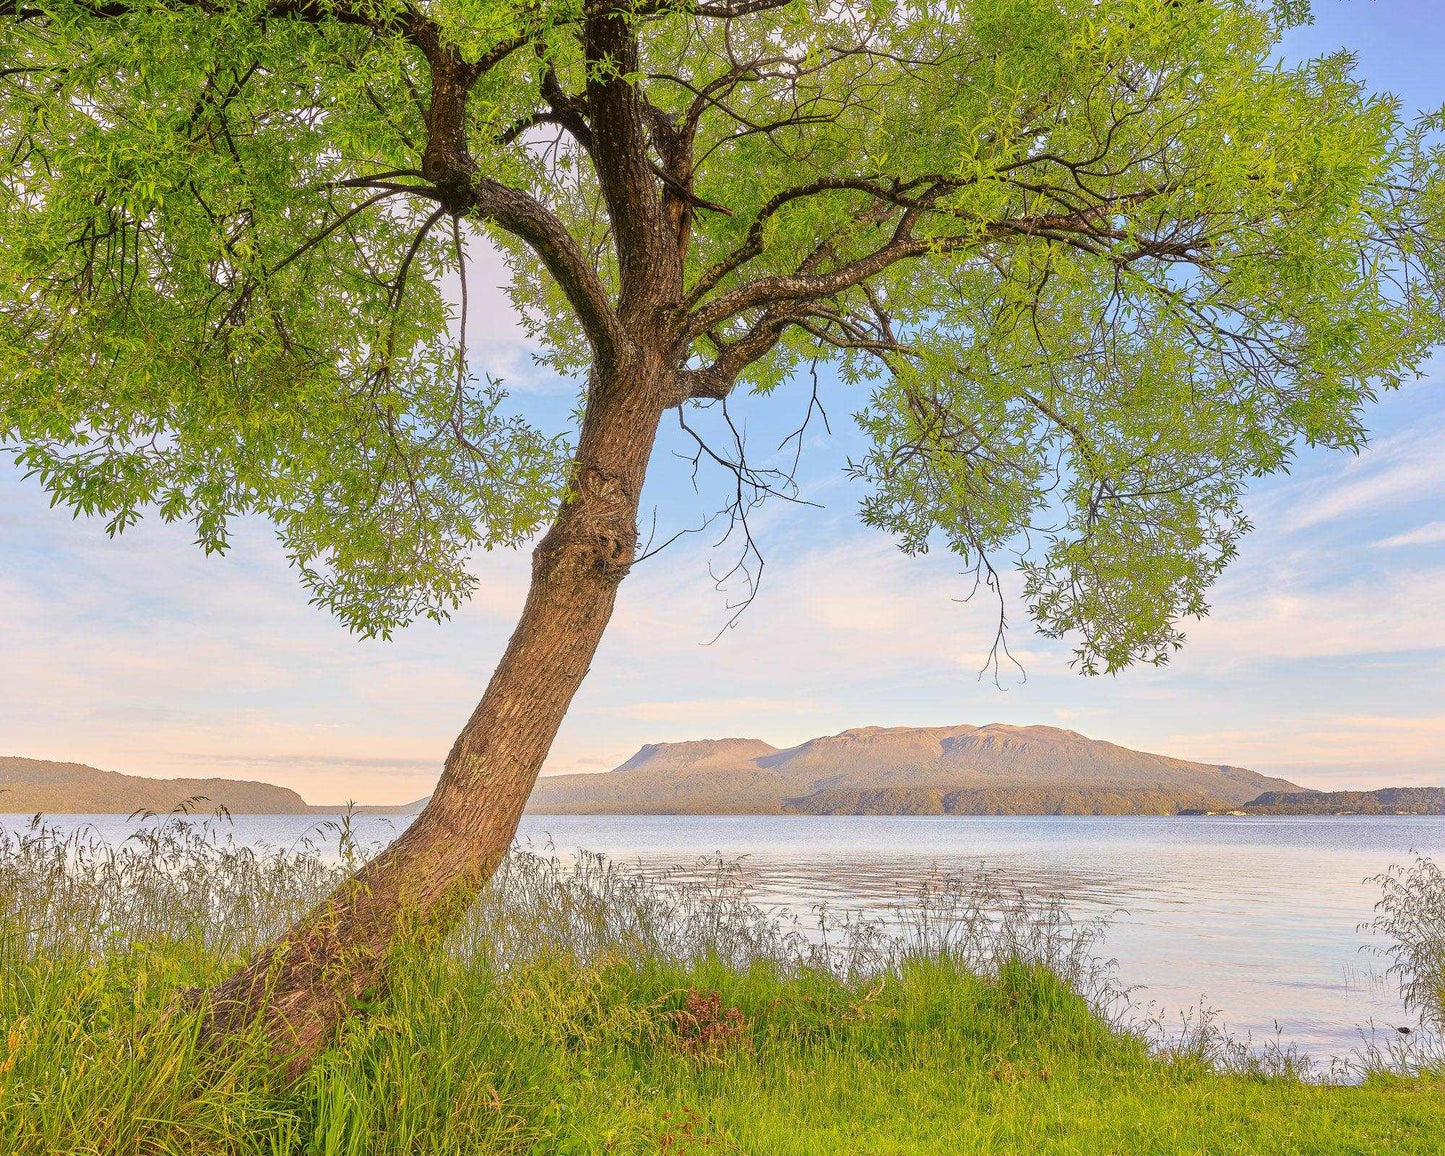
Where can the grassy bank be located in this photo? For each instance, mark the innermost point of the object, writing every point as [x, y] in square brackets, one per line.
[586, 1010]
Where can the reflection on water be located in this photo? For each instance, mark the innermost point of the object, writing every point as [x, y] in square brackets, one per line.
[1256, 917]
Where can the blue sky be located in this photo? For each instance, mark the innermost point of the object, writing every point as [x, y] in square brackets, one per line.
[1324, 658]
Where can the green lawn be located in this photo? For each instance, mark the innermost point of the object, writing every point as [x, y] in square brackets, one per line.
[564, 1058]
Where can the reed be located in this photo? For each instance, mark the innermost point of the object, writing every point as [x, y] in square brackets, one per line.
[1410, 917]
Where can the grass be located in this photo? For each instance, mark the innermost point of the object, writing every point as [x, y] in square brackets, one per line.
[1411, 917]
[586, 1009]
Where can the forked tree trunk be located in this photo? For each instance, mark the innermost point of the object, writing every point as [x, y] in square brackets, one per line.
[304, 983]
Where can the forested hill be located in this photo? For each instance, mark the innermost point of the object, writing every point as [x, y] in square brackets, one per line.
[1386, 801]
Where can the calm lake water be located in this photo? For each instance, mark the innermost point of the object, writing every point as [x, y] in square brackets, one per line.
[1257, 918]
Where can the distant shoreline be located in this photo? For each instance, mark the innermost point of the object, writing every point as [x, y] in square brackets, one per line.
[964, 770]
[19, 818]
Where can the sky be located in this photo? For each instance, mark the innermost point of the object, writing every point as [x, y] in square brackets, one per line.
[1323, 659]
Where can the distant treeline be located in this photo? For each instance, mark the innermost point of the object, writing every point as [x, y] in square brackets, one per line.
[1011, 800]
[1386, 801]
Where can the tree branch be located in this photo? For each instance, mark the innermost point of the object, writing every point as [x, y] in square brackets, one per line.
[621, 161]
[528, 219]
[1076, 228]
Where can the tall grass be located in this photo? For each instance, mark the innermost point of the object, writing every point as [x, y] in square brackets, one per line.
[79, 897]
[1410, 915]
[584, 1007]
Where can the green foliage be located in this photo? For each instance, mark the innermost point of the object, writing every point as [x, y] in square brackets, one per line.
[1100, 262]
[557, 1020]
[194, 316]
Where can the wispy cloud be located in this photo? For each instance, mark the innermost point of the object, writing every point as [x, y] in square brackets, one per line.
[1289, 617]
[1424, 535]
[407, 765]
[1341, 752]
[713, 712]
[1403, 468]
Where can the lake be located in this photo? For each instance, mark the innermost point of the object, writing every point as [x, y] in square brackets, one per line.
[1257, 918]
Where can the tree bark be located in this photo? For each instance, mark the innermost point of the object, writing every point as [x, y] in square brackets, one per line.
[303, 984]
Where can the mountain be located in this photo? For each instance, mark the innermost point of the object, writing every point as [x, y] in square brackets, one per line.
[1386, 801]
[957, 770]
[28, 786]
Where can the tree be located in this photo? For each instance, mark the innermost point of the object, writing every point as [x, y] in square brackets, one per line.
[1098, 262]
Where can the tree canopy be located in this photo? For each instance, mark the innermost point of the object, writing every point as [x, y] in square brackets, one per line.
[1093, 265]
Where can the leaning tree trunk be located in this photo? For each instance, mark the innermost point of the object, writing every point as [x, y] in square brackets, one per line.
[304, 982]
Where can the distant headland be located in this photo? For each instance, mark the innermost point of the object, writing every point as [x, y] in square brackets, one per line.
[1385, 801]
